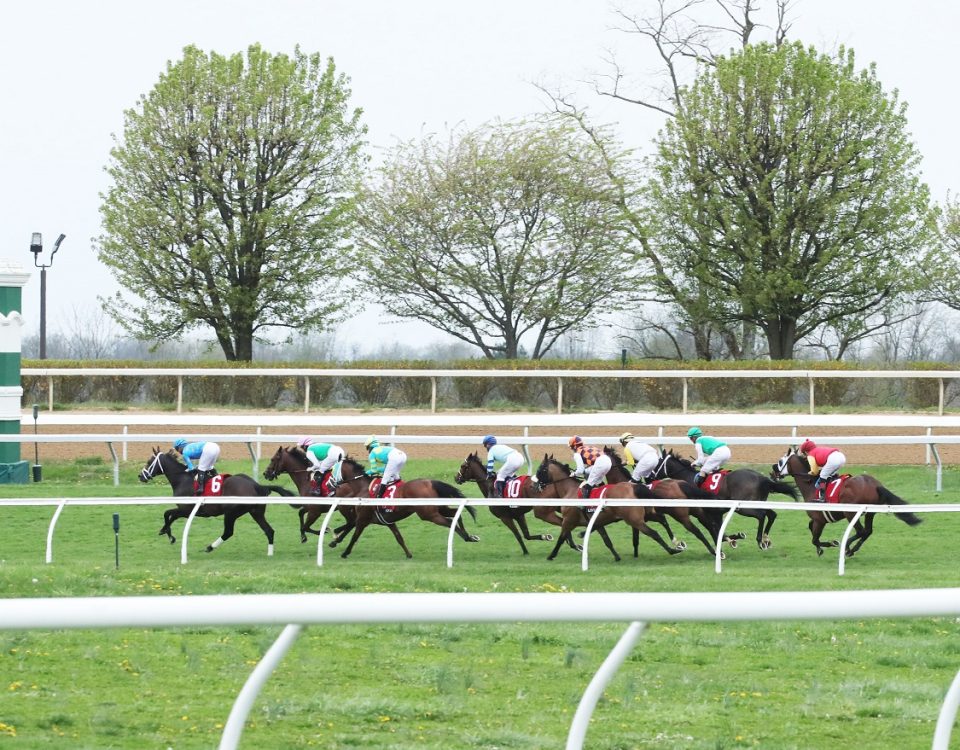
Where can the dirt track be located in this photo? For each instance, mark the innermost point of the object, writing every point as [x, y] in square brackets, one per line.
[877, 454]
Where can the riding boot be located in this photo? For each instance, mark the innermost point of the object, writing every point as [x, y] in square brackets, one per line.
[698, 479]
[585, 490]
[201, 481]
[498, 488]
[381, 489]
[818, 490]
[315, 480]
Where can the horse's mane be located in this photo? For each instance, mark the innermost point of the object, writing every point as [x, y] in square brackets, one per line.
[172, 454]
[615, 457]
[354, 463]
[686, 462]
[802, 459]
[299, 453]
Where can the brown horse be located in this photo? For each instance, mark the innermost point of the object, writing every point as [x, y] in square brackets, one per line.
[556, 477]
[513, 516]
[739, 484]
[170, 465]
[356, 483]
[859, 490]
[294, 462]
[674, 489]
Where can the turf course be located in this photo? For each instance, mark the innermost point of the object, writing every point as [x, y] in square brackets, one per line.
[870, 684]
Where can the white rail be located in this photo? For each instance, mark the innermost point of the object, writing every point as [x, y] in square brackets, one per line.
[730, 505]
[684, 376]
[296, 610]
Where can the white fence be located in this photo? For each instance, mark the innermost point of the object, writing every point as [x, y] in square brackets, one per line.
[256, 440]
[731, 506]
[683, 376]
[297, 610]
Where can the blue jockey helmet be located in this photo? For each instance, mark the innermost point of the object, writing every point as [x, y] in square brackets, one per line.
[179, 444]
[489, 440]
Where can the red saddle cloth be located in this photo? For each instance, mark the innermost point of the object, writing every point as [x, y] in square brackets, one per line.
[512, 489]
[834, 487]
[711, 483]
[598, 493]
[213, 486]
[388, 494]
[323, 488]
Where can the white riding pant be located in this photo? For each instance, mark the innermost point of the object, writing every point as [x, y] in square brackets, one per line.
[598, 471]
[335, 454]
[209, 456]
[834, 463]
[396, 460]
[716, 459]
[510, 465]
[646, 463]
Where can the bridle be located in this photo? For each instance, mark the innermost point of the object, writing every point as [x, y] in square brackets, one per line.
[147, 472]
[545, 468]
[469, 461]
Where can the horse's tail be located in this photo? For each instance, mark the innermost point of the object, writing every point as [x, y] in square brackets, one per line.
[888, 498]
[448, 490]
[781, 488]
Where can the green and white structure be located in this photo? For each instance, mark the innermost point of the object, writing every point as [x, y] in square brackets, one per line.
[13, 277]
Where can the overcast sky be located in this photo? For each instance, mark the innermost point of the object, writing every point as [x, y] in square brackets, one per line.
[71, 68]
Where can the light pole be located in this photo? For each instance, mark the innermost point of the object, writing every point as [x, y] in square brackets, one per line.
[36, 247]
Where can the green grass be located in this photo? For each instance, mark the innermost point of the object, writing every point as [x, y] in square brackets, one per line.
[876, 683]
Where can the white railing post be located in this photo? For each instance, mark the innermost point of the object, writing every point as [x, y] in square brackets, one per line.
[452, 533]
[179, 394]
[927, 446]
[433, 395]
[50, 393]
[811, 394]
[53, 523]
[306, 394]
[251, 688]
[559, 395]
[186, 531]
[846, 537]
[585, 556]
[591, 696]
[940, 401]
[948, 716]
[323, 531]
[685, 389]
[723, 530]
[123, 448]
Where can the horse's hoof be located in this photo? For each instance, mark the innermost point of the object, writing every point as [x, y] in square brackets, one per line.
[733, 542]
[764, 545]
[674, 551]
[616, 559]
[547, 537]
[723, 555]
[209, 548]
[473, 538]
[680, 545]
[343, 555]
[849, 553]
[819, 551]
[578, 548]
[551, 557]
[833, 543]
[173, 540]
[303, 540]
[740, 535]
[409, 556]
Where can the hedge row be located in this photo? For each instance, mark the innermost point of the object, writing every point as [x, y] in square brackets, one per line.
[267, 392]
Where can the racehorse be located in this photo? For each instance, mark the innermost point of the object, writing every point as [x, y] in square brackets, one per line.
[857, 490]
[673, 489]
[238, 485]
[739, 484]
[356, 483]
[557, 477]
[513, 516]
[294, 462]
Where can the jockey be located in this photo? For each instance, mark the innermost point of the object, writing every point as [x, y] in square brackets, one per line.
[385, 461]
[511, 460]
[641, 456]
[711, 453]
[207, 454]
[322, 456]
[592, 458]
[828, 460]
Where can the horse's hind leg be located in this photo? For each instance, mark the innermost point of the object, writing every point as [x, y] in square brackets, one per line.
[399, 537]
[230, 517]
[657, 538]
[259, 514]
[548, 515]
[765, 542]
[599, 528]
[169, 516]
[510, 524]
[361, 524]
[661, 519]
[862, 534]
[522, 523]
[569, 524]
[302, 512]
[692, 528]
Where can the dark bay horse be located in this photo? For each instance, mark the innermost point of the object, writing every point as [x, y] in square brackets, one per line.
[513, 517]
[857, 490]
[356, 483]
[557, 477]
[673, 489]
[739, 484]
[294, 462]
[239, 485]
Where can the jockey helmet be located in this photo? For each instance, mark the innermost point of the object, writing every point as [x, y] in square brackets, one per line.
[625, 438]
[489, 440]
[305, 442]
[371, 443]
[575, 442]
[179, 444]
[807, 445]
[694, 432]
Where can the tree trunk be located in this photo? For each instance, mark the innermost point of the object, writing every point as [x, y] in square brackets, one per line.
[781, 337]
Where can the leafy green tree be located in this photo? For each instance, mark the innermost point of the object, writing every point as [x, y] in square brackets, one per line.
[504, 232]
[787, 187]
[230, 198]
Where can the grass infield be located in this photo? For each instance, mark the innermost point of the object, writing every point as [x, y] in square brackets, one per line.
[876, 683]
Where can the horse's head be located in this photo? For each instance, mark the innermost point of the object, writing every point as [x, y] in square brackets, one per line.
[550, 470]
[275, 466]
[159, 463]
[790, 463]
[472, 469]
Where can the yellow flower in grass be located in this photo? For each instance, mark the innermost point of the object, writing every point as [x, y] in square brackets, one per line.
[8, 729]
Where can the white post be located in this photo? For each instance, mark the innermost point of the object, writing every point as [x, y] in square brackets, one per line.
[53, 522]
[940, 402]
[947, 717]
[927, 447]
[559, 395]
[433, 395]
[49, 392]
[306, 394]
[591, 696]
[323, 531]
[179, 393]
[251, 688]
[811, 395]
[453, 530]
[186, 532]
[124, 447]
[684, 395]
[846, 536]
[723, 530]
[585, 556]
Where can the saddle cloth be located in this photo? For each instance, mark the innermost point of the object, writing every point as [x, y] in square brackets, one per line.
[834, 487]
[213, 487]
[711, 483]
[512, 487]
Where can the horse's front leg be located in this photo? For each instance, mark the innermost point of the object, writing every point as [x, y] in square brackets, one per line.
[259, 514]
[169, 516]
[570, 522]
[360, 525]
[230, 517]
[509, 522]
[644, 529]
[399, 537]
[522, 523]
[765, 542]
[599, 528]
[548, 515]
